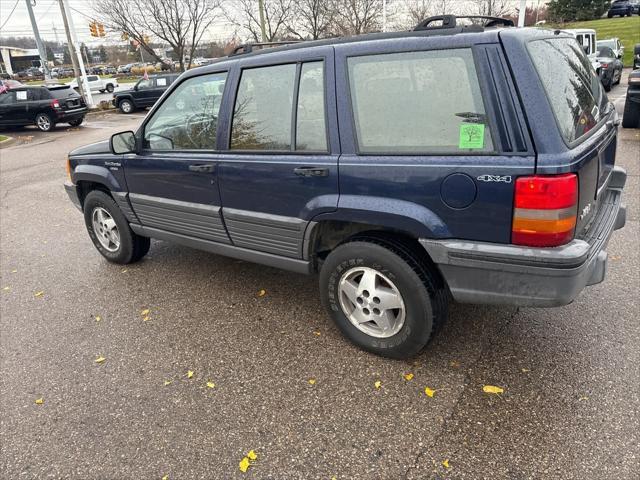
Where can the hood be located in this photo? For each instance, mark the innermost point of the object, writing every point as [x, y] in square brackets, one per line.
[123, 92]
[92, 148]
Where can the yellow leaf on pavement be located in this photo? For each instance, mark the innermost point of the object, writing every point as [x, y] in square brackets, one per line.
[210, 385]
[525, 370]
[244, 465]
[408, 376]
[445, 463]
[145, 312]
[39, 401]
[14, 270]
[38, 294]
[124, 270]
[190, 374]
[168, 382]
[100, 359]
[6, 289]
[312, 381]
[98, 318]
[252, 455]
[492, 389]
[166, 477]
[429, 392]
[317, 333]
[262, 293]
[145, 319]
[377, 384]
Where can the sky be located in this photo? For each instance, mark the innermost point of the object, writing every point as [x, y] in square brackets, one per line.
[49, 21]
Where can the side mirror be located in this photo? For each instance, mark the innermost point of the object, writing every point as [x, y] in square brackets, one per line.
[135, 87]
[123, 142]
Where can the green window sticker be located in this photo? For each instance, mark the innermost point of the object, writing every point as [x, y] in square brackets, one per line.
[471, 135]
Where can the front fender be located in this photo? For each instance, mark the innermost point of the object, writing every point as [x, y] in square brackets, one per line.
[389, 213]
[94, 173]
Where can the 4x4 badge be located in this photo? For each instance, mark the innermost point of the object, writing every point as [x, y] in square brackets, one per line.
[495, 178]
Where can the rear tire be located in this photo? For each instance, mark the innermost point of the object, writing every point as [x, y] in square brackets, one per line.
[126, 106]
[607, 85]
[401, 276]
[76, 123]
[44, 122]
[110, 88]
[110, 232]
[631, 114]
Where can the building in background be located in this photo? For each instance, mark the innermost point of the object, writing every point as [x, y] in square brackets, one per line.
[14, 59]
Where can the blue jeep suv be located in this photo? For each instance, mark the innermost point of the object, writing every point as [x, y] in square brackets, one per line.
[453, 162]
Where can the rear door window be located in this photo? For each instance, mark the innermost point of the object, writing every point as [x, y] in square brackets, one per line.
[424, 102]
[572, 86]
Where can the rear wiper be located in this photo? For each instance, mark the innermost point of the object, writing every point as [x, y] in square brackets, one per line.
[472, 117]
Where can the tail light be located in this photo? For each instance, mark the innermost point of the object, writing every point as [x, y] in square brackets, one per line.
[55, 104]
[545, 210]
[604, 65]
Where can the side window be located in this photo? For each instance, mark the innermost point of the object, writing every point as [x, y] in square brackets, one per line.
[21, 95]
[92, 78]
[7, 98]
[188, 118]
[425, 102]
[311, 131]
[144, 84]
[263, 109]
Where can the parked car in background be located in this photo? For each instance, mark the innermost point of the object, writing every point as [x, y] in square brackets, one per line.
[400, 167]
[636, 56]
[109, 70]
[41, 106]
[586, 37]
[144, 93]
[125, 68]
[10, 83]
[622, 8]
[65, 72]
[97, 84]
[614, 43]
[635, 6]
[609, 68]
[631, 114]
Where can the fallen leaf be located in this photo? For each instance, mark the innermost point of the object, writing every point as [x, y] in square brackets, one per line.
[429, 392]
[312, 381]
[377, 384]
[98, 318]
[124, 270]
[145, 312]
[38, 294]
[583, 398]
[100, 359]
[6, 289]
[615, 258]
[14, 270]
[317, 333]
[39, 401]
[166, 477]
[445, 463]
[525, 370]
[492, 389]
[211, 384]
[168, 382]
[145, 319]
[454, 363]
[408, 376]
[262, 293]
[190, 374]
[244, 465]
[252, 455]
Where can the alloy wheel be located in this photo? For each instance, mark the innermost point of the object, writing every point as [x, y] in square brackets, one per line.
[105, 228]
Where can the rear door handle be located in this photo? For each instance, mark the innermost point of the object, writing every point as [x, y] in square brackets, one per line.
[311, 171]
[202, 168]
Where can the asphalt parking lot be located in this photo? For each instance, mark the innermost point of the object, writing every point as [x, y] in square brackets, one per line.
[571, 376]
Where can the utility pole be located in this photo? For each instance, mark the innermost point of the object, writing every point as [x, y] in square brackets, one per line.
[384, 15]
[76, 56]
[263, 28]
[522, 13]
[41, 50]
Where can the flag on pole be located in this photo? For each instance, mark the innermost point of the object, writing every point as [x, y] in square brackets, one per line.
[146, 75]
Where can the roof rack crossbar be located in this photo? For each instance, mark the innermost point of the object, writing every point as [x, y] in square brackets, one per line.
[451, 21]
[248, 47]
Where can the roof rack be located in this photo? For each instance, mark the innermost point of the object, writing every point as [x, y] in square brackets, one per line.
[249, 47]
[450, 21]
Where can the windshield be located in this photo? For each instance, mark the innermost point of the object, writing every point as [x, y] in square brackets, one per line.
[606, 43]
[605, 52]
[572, 86]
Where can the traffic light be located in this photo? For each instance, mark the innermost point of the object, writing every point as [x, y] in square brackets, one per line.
[93, 28]
[101, 30]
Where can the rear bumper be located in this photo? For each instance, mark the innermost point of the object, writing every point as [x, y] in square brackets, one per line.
[500, 274]
[67, 115]
[72, 191]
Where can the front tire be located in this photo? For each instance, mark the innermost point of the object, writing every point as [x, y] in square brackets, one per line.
[44, 122]
[110, 88]
[383, 295]
[126, 106]
[110, 232]
[631, 114]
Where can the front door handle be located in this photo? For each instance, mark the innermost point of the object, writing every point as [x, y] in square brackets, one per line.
[202, 168]
[311, 171]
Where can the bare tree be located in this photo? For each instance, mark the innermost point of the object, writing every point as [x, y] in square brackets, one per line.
[311, 19]
[354, 17]
[493, 8]
[277, 14]
[180, 23]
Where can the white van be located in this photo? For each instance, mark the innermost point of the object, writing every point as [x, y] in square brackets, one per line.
[587, 38]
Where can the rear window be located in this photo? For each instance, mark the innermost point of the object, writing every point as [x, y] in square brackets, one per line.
[572, 86]
[62, 93]
[425, 102]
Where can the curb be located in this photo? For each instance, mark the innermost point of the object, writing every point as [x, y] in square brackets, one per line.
[8, 142]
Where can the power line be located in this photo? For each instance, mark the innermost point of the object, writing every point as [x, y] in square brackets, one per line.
[11, 13]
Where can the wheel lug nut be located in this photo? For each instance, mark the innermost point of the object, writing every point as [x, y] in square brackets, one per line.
[366, 311]
[376, 311]
[376, 300]
[366, 294]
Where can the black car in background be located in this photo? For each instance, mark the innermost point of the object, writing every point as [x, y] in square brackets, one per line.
[610, 69]
[621, 7]
[631, 115]
[43, 107]
[636, 56]
[144, 93]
